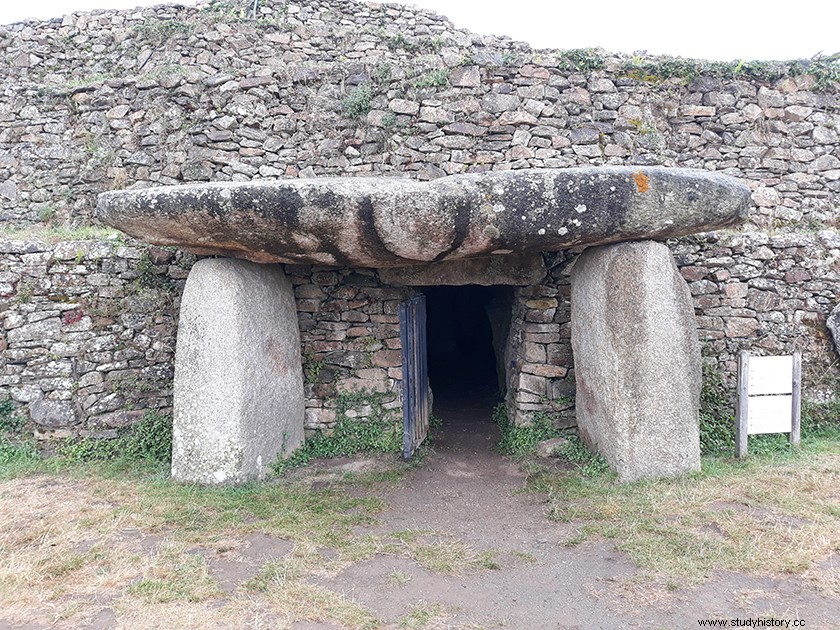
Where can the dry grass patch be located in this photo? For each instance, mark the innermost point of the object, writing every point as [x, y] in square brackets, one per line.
[78, 544]
[440, 552]
[774, 515]
[59, 546]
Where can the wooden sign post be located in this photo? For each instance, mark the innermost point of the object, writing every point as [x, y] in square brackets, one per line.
[769, 397]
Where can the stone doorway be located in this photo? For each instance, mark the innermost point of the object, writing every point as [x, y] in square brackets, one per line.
[467, 331]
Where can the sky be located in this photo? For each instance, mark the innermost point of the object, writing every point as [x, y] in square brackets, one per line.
[723, 30]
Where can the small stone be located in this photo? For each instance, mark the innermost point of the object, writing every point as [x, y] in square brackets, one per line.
[402, 106]
[549, 448]
[517, 118]
[52, 413]
[794, 276]
[465, 76]
[766, 197]
[741, 326]
[497, 103]
[697, 110]
[543, 369]
[250, 82]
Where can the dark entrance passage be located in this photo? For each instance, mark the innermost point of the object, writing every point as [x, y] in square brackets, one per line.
[467, 328]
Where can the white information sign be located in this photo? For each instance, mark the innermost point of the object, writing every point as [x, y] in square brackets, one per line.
[769, 414]
[769, 396]
[770, 375]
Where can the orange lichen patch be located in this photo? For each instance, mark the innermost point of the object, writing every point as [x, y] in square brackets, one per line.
[642, 182]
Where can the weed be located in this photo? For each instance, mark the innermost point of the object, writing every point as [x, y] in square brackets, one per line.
[149, 439]
[580, 60]
[717, 424]
[25, 289]
[378, 432]
[399, 578]
[587, 463]
[399, 40]
[358, 102]
[13, 449]
[520, 441]
[511, 58]
[148, 274]
[382, 73]
[312, 369]
[826, 70]
[421, 616]
[158, 32]
[434, 78]
[47, 213]
[9, 420]
[227, 11]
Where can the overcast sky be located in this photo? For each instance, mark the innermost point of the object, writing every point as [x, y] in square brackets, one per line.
[711, 29]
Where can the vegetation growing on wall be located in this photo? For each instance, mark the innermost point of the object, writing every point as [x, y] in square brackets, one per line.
[148, 440]
[378, 431]
[826, 70]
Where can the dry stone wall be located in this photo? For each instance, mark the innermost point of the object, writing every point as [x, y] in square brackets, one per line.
[165, 95]
[88, 332]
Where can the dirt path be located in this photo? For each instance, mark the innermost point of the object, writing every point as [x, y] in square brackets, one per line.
[466, 489]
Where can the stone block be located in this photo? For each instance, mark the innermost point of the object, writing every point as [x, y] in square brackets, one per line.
[533, 352]
[238, 395]
[637, 360]
[543, 369]
[465, 76]
[52, 413]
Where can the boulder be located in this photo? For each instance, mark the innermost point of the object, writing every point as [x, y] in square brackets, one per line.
[238, 394]
[637, 360]
[392, 222]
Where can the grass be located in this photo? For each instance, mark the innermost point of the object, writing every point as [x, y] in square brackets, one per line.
[87, 530]
[56, 234]
[773, 514]
[90, 532]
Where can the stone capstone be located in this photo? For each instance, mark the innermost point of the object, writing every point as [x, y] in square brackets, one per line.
[391, 222]
[637, 360]
[238, 394]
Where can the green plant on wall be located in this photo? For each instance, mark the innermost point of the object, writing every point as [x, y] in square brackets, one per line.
[312, 369]
[433, 78]
[157, 32]
[717, 424]
[379, 431]
[149, 439]
[826, 70]
[14, 448]
[581, 60]
[358, 102]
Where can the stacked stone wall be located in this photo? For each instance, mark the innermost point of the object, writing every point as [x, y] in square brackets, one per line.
[88, 334]
[167, 95]
[350, 333]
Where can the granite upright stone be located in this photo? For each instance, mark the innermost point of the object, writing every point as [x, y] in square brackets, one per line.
[637, 360]
[238, 378]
